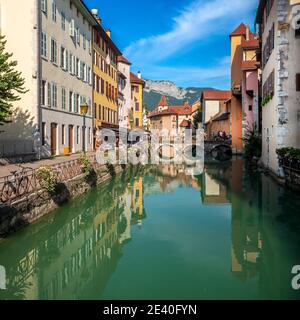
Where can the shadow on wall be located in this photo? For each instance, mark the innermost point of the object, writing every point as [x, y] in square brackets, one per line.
[19, 138]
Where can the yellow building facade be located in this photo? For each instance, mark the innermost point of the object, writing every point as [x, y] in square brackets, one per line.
[137, 87]
[105, 82]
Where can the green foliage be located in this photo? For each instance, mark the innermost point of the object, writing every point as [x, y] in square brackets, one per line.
[11, 83]
[47, 179]
[289, 153]
[253, 143]
[267, 99]
[86, 164]
[198, 118]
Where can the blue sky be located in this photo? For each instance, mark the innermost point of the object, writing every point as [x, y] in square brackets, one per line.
[185, 41]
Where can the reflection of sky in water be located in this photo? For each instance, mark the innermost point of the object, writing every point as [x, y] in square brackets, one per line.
[160, 234]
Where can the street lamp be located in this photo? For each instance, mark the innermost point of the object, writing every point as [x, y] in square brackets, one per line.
[84, 110]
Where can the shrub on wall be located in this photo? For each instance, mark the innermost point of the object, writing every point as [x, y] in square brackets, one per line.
[47, 179]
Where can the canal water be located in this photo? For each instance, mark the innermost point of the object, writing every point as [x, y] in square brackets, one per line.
[157, 233]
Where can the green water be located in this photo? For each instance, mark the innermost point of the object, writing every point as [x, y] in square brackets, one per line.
[156, 233]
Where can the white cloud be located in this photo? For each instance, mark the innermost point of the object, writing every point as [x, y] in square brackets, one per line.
[196, 22]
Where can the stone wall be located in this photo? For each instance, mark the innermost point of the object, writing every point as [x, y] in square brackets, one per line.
[28, 210]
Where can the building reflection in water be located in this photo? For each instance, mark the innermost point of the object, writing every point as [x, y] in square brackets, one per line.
[73, 253]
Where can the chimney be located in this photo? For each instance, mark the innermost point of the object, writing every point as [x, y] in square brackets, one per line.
[139, 75]
[247, 33]
[108, 32]
[95, 14]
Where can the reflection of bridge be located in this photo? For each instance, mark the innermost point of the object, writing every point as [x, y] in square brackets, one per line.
[218, 149]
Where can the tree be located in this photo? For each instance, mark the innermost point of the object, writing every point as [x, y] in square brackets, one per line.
[198, 118]
[11, 83]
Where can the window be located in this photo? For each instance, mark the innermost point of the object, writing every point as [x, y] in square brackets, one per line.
[54, 11]
[269, 46]
[63, 58]
[54, 96]
[76, 103]
[63, 21]
[250, 108]
[44, 45]
[43, 133]
[90, 80]
[71, 101]
[77, 134]
[63, 98]
[84, 42]
[137, 107]
[268, 87]
[71, 63]
[81, 70]
[298, 82]
[77, 33]
[63, 134]
[137, 122]
[49, 95]
[43, 93]
[78, 63]
[72, 28]
[44, 6]
[53, 55]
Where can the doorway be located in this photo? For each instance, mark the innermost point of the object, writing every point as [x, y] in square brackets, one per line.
[53, 139]
[71, 138]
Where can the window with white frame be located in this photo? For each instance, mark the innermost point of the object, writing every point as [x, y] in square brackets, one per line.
[44, 45]
[54, 11]
[71, 64]
[53, 52]
[78, 66]
[72, 28]
[54, 96]
[77, 34]
[63, 21]
[63, 98]
[44, 6]
[49, 94]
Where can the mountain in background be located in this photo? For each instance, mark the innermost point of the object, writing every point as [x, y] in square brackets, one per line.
[175, 95]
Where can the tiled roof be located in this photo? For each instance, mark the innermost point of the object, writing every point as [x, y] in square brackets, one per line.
[252, 43]
[216, 94]
[240, 30]
[124, 60]
[172, 110]
[135, 79]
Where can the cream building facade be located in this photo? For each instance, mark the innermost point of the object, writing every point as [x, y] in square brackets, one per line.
[124, 92]
[54, 54]
[280, 77]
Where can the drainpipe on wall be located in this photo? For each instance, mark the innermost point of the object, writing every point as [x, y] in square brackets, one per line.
[39, 77]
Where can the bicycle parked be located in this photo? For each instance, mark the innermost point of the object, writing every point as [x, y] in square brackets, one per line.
[15, 185]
